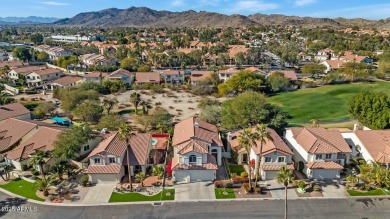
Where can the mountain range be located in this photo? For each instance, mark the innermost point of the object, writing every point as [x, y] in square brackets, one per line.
[146, 17]
[30, 19]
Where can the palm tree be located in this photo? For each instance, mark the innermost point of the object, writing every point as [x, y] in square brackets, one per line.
[5, 172]
[261, 135]
[246, 141]
[38, 159]
[135, 99]
[44, 184]
[285, 176]
[4, 72]
[109, 103]
[125, 134]
[314, 122]
[58, 170]
[145, 106]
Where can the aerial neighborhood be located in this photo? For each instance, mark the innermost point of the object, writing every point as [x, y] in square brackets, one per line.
[107, 114]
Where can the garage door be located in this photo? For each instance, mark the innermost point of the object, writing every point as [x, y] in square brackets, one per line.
[325, 174]
[104, 178]
[202, 175]
[270, 175]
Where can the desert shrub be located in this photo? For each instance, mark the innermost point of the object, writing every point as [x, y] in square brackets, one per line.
[244, 174]
[316, 188]
[84, 180]
[301, 184]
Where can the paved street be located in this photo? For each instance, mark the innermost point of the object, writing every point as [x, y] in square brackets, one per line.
[100, 193]
[194, 191]
[315, 208]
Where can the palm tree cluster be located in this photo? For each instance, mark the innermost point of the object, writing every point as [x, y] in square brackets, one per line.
[371, 175]
[135, 99]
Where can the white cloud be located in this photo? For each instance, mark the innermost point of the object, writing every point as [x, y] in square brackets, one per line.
[54, 3]
[252, 6]
[177, 3]
[301, 3]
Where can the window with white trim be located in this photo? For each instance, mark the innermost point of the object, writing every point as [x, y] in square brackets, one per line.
[268, 160]
[328, 156]
[318, 156]
[96, 160]
[192, 159]
[281, 159]
[86, 147]
[112, 160]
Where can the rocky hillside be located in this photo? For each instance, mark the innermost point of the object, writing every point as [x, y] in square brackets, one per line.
[145, 17]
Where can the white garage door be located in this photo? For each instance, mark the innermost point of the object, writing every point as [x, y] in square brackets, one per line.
[194, 175]
[325, 174]
[104, 178]
[270, 175]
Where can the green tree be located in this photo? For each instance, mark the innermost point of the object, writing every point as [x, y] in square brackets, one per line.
[44, 184]
[355, 70]
[144, 68]
[70, 99]
[69, 143]
[313, 69]
[89, 111]
[251, 108]
[22, 54]
[44, 109]
[125, 133]
[38, 159]
[109, 104]
[128, 63]
[42, 56]
[59, 170]
[112, 122]
[246, 140]
[6, 100]
[65, 61]
[4, 72]
[158, 171]
[371, 109]
[211, 114]
[241, 82]
[135, 99]
[140, 177]
[278, 82]
[285, 176]
[36, 38]
[262, 135]
[161, 119]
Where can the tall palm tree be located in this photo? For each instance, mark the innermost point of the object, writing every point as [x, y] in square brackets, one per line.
[246, 141]
[109, 103]
[135, 99]
[58, 170]
[5, 172]
[261, 135]
[45, 183]
[38, 159]
[4, 72]
[285, 176]
[125, 134]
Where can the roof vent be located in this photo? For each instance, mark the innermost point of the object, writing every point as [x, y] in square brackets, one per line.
[196, 124]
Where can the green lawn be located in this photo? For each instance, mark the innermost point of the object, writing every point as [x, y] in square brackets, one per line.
[237, 169]
[369, 193]
[327, 103]
[136, 197]
[23, 188]
[219, 193]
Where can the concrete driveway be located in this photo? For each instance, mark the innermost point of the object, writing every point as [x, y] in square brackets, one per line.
[100, 193]
[333, 189]
[194, 191]
[277, 190]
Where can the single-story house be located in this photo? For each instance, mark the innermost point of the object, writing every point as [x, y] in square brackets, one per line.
[14, 110]
[147, 78]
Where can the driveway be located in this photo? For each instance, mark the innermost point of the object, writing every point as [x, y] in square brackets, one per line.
[333, 189]
[194, 191]
[100, 193]
[277, 190]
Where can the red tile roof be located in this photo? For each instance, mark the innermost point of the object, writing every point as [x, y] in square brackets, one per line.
[162, 141]
[200, 75]
[195, 128]
[12, 110]
[211, 165]
[277, 143]
[121, 71]
[147, 77]
[320, 140]
[67, 80]
[112, 145]
[324, 165]
[193, 145]
[276, 167]
[12, 130]
[104, 169]
[288, 74]
[48, 71]
[95, 74]
[11, 64]
[377, 144]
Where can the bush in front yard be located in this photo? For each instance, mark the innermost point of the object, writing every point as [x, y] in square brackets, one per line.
[246, 187]
[237, 180]
[244, 174]
[84, 180]
[223, 184]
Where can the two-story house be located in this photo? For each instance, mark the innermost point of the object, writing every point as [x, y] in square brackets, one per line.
[319, 153]
[95, 76]
[173, 77]
[94, 59]
[199, 76]
[225, 75]
[275, 153]
[123, 75]
[108, 162]
[17, 73]
[147, 78]
[198, 151]
[41, 77]
[372, 145]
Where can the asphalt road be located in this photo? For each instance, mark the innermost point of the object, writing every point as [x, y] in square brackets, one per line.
[315, 208]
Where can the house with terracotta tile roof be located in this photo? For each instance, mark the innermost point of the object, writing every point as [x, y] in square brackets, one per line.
[288, 74]
[275, 153]
[197, 149]
[225, 75]
[22, 71]
[43, 76]
[372, 145]
[122, 75]
[199, 76]
[95, 76]
[147, 78]
[173, 76]
[108, 161]
[319, 153]
[14, 110]
[332, 65]
[66, 81]
[12, 131]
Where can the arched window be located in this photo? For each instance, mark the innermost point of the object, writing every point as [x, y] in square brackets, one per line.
[192, 159]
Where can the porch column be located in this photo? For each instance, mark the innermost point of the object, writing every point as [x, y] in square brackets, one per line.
[219, 156]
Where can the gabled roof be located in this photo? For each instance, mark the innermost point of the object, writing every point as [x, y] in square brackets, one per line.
[12, 110]
[42, 139]
[329, 165]
[121, 71]
[335, 64]
[28, 69]
[320, 140]
[102, 169]
[288, 74]
[147, 77]
[194, 128]
[193, 145]
[67, 80]
[95, 74]
[112, 145]
[48, 71]
[11, 64]
[210, 165]
[12, 130]
[377, 144]
[276, 145]
[200, 75]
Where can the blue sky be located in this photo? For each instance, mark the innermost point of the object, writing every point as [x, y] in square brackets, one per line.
[372, 9]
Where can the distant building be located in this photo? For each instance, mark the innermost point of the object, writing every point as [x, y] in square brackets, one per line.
[53, 52]
[41, 77]
[71, 39]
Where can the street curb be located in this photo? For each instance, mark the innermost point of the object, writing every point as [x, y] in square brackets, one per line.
[184, 201]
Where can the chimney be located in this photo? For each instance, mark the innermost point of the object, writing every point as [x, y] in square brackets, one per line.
[196, 124]
[355, 127]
